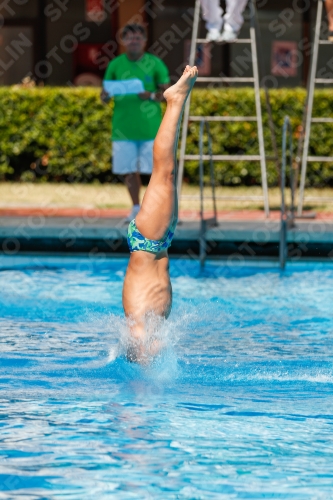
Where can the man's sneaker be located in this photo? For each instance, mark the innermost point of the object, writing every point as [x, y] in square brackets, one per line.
[330, 36]
[213, 35]
[133, 214]
[228, 35]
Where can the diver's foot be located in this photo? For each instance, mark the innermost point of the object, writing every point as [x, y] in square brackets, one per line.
[181, 89]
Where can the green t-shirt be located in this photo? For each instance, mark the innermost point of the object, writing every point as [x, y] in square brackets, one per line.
[133, 118]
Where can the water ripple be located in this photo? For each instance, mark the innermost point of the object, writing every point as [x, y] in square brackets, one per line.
[238, 406]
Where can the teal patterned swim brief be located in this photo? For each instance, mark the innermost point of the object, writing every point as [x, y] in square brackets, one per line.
[136, 241]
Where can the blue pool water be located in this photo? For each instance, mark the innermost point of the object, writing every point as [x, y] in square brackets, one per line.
[239, 406]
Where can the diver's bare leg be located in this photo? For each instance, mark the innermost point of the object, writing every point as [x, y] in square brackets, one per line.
[159, 205]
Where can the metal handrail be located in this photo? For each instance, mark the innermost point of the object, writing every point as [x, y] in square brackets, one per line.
[206, 223]
[287, 216]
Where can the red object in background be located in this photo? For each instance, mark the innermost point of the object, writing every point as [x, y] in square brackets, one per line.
[87, 56]
[284, 59]
[95, 10]
[88, 69]
[202, 57]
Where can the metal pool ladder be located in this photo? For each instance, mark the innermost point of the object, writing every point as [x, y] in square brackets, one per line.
[212, 221]
[308, 113]
[254, 80]
[287, 216]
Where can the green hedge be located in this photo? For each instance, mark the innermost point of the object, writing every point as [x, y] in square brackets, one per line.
[54, 134]
[63, 134]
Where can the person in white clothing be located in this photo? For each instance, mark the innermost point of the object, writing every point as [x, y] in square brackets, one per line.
[231, 21]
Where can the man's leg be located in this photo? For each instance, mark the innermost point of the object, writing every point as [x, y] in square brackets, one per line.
[329, 10]
[212, 14]
[133, 183]
[233, 19]
[159, 205]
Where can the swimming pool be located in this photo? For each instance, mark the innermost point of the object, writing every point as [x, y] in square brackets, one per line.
[240, 405]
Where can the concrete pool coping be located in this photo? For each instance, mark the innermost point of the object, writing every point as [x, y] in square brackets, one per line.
[248, 237]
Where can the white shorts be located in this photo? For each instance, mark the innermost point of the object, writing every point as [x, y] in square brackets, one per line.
[132, 156]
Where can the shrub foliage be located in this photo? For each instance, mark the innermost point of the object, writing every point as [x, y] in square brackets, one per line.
[63, 134]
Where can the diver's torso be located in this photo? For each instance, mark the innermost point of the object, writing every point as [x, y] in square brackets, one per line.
[147, 286]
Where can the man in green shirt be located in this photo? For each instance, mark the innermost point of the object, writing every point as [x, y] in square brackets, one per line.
[136, 117]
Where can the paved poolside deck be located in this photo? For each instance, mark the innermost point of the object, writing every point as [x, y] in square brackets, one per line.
[239, 233]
